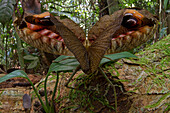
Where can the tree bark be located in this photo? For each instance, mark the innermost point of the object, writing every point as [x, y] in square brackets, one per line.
[113, 6]
[107, 7]
[103, 8]
[168, 22]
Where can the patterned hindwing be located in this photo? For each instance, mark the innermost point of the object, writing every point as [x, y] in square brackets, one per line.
[121, 31]
[40, 32]
[134, 35]
[43, 19]
[38, 40]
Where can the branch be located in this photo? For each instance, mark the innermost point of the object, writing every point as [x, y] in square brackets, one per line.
[60, 5]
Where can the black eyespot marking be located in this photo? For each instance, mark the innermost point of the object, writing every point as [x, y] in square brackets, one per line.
[22, 25]
[129, 21]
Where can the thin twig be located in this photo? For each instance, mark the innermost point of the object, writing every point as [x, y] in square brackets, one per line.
[61, 5]
[112, 86]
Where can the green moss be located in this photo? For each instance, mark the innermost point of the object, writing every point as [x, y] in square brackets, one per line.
[159, 101]
[156, 58]
[156, 52]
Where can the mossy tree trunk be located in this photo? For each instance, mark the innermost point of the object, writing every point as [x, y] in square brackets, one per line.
[107, 7]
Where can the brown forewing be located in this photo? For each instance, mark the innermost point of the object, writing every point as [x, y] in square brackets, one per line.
[73, 43]
[106, 27]
[75, 28]
[105, 22]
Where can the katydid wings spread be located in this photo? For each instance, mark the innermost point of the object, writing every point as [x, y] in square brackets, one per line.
[121, 31]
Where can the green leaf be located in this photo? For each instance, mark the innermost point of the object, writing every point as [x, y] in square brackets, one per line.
[66, 63]
[33, 64]
[17, 73]
[163, 32]
[112, 57]
[30, 57]
[165, 4]
[6, 10]
[60, 58]
[63, 63]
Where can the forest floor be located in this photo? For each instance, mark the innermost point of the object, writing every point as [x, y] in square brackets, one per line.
[140, 85]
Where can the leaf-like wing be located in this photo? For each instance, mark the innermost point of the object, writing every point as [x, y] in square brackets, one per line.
[103, 38]
[73, 43]
[105, 22]
[75, 28]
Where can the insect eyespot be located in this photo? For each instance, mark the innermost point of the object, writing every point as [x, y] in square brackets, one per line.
[129, 21]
